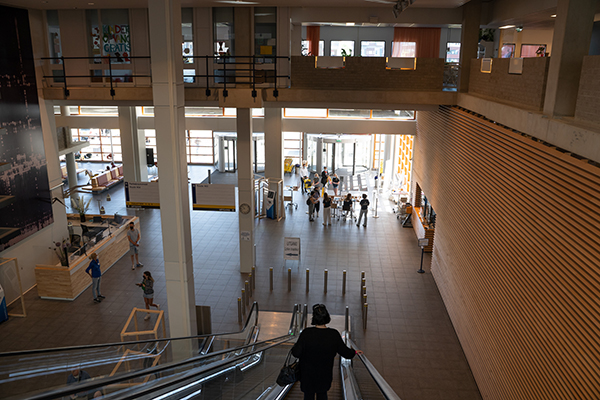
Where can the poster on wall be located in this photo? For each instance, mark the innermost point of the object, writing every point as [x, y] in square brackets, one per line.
[112, 41]
[25, 201]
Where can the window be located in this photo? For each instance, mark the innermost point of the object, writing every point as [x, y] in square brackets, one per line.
[265, 32]
[533, 50]
[452, 52]
[109, 35]
[199, 147]
[342, 113]
[508, 50]
[105, 144]
[393, 114]
[223, 31]
[305, 113]
[54, 44]
[372, 48]
[406, 49]
[321, 48]
[341, 48]
[292, 146]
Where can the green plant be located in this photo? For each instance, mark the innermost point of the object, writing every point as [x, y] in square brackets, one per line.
[61, 250]
[486, 35]
[80, 205]
[347, 53]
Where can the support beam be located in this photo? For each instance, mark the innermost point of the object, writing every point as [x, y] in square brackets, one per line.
[133, 146]
[273, 143]
[245, 187]
[469, 38]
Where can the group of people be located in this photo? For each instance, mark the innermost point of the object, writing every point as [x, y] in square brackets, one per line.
[147, 284]
[319, 185]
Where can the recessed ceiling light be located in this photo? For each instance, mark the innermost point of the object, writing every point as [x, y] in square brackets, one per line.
[507, 27]
[90, 4]
[553, 16]
[239, 2]
[349, 23]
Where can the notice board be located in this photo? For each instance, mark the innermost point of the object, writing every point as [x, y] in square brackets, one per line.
[213, 197]
[142, 194]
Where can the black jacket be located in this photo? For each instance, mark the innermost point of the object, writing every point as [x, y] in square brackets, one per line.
[316, 348]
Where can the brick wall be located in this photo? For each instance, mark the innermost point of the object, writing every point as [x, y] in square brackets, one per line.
[527, 89]
[368, 73]
[588, 99]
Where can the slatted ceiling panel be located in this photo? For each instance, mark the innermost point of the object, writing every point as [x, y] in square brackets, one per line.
[516, 255]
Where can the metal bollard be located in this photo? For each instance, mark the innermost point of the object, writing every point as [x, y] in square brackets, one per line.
[306, 313]
[243, 302]
[289, 279]
[307, 279]
[344, 282]
[366, 307]
[347, 319]
[325, 273]
[253, 277]
[250, 286]
[271, 278]
[362, 275]
[240, 310]
[247, 289]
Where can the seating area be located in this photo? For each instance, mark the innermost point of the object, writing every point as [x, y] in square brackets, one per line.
[63, 170]
[107, 179]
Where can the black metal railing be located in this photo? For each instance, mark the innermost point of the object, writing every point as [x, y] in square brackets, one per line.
[226, 70]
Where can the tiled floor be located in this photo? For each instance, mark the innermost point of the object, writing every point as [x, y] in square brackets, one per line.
[409, 336]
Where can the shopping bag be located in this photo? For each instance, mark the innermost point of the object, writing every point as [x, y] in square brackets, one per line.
[290, 372]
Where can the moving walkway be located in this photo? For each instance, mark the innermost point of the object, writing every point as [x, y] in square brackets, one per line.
[224, 366]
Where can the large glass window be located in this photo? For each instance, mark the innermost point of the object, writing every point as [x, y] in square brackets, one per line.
[304, 50]
[265, 32]
[349, 113]
[305, 112]
[452, 52]
[54, 44]
[199, 147]
[342, 48]
[187, 44]
[292, 146]
[372, 48]
[393, 114]
[223, 30]
[105, 144]
[407, 49]
[533, 50]
[508, 50]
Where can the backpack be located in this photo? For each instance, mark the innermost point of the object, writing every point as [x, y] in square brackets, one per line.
[308, 202]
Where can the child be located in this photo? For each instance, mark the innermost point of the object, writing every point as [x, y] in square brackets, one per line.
[364, 209]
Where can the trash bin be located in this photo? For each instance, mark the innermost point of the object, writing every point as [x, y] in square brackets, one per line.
[3, 309]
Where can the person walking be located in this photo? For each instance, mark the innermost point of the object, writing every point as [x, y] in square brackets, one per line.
[316, 348]
[303, 176]
[93, 270]
[335, 182]
[364, 209]
[317, 202]
[326, 209]
[324, 178]
[133, 235]
[147, 286]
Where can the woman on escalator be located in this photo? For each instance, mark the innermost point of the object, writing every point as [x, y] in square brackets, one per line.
[316, 348]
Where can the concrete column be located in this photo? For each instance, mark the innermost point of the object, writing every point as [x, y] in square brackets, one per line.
[70, 157]
[319, 146]
[571, 42]
[273, 143]
[133, 146]
[245, 187]
[169, 122]
[469, 39]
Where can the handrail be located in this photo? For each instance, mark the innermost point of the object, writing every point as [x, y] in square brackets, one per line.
[101, 345]
[385, 388]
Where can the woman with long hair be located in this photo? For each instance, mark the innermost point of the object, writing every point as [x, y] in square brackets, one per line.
[147, 286]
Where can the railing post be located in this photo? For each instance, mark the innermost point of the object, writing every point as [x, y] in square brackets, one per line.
[225, 93]
[112, 90]
[239, 303]
[271, 278]
[346, 323]
[307, 279]
[344, 282]
[254, 94]
[275, 91]
[305, 313]
[366, 308]
[207, 91]
[65, 90]
[289, 279]
[325, 273]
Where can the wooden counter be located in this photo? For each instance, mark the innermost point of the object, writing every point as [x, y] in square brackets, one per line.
[66, 283]
[421, 229]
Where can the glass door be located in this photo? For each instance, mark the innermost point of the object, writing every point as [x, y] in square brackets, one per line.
[229, 147]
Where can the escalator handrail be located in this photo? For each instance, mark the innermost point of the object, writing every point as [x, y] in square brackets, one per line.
[385, 388]
[116, 344]
[90, 385]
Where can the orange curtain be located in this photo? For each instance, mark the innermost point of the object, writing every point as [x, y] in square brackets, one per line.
[313, 34]
[427, 41]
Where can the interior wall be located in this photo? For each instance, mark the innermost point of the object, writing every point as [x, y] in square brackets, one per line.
[515, 255]
[527, 36]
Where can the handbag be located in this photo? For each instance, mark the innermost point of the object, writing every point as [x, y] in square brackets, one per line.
[290, 372]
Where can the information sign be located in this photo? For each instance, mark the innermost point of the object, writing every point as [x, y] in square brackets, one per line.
[213, 197]
[423, 242]
[291, 248]
[142, 194]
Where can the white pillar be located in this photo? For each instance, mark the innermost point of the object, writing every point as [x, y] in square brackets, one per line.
[570, 43]
[169, 122]
[133, 146]
[273, 143]
[245, 187]
[319, 149]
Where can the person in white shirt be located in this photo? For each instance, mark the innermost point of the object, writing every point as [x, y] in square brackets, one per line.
[303, 176]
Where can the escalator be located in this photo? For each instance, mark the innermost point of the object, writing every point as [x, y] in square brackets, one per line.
[226, 366]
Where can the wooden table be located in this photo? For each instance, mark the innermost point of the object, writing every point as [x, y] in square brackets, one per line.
[66, 283]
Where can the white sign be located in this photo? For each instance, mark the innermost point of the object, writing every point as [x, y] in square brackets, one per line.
[142, 194]
[245, 236]
[291, 248]
[423, 242]
[213, 197]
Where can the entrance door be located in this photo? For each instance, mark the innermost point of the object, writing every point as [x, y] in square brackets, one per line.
[229, 147]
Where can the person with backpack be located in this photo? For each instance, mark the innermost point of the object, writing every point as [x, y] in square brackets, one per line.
[364, 209]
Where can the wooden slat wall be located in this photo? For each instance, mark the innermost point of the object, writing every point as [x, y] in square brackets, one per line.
[516, 255]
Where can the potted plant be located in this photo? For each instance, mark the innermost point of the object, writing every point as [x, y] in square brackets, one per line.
[81, 206]
[61, 250]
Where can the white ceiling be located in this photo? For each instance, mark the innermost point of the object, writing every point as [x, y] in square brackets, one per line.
[92, 4]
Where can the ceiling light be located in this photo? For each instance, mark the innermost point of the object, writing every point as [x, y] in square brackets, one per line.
[238, 2]
[349, 23]
[553, 16]
[519, 29]
[507, 27]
